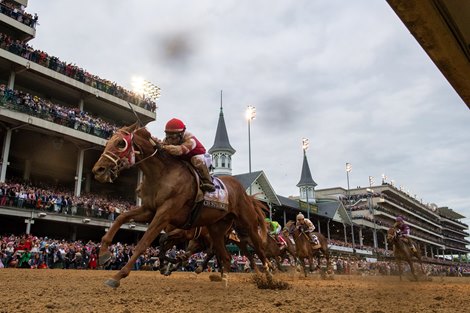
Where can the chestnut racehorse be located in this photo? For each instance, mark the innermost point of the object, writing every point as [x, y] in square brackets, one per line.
[403, 252]
[305, 249]
[168, 192]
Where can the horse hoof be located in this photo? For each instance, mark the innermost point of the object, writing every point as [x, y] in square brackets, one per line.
[112, 283]
[198, 270]
[104, 258]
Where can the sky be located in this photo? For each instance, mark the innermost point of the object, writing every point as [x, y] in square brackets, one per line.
[347, 75]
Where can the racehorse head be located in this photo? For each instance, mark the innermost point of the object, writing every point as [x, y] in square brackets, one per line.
[120, 153]
[289, 229]
[391, 235]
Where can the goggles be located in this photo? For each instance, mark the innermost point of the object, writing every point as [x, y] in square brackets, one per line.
[173, 135]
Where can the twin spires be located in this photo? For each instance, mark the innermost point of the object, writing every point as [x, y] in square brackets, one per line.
[221, 150]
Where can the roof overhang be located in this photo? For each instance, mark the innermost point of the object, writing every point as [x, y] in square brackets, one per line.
[442, 28]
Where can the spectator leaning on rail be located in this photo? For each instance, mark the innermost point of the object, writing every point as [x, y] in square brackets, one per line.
[183, 144]
[307, 226]
[403, 231]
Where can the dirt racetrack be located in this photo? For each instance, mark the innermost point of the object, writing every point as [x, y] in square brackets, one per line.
[25, 290]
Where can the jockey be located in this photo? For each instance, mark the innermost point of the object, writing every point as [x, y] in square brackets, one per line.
[307, 226]
[403, 231]
[274, 229]
[179, 142]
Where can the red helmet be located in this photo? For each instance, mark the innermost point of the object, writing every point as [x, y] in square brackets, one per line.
[175, 126]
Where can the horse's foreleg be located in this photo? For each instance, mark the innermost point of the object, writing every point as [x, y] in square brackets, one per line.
[311, 268]
[400, 270]
[412, 269]
[138, 215]
[328, 265]
[304, 266]
[153, 230]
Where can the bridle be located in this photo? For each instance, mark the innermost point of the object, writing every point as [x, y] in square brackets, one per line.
[124, 157]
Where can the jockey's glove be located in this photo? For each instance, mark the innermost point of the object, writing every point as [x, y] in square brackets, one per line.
[173, 150]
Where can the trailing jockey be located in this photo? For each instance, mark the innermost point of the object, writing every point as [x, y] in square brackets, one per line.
[274, 229]
[403, 231]
[307, 226]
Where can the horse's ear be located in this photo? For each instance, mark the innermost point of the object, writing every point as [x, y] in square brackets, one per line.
[132, 128]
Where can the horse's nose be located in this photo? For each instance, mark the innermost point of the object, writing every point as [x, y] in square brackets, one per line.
[99, 170]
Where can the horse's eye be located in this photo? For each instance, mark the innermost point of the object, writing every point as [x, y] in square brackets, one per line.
[121, 145]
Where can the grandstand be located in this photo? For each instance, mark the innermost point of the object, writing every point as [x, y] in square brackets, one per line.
[54, 119]
[374, 209]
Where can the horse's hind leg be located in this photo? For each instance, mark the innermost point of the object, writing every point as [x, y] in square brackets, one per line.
[259, 249]
[217, 232]
[139, 215]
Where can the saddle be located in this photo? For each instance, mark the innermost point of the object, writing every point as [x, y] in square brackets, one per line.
[217, 199]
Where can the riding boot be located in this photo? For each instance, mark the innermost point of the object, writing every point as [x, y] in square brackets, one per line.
[203, 172]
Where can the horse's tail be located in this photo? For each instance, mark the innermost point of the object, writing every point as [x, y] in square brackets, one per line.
[259, 208]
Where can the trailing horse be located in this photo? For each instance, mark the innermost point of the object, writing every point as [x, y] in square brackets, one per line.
[403, 251]
[305, 249]
[198, 240]
[168, 191]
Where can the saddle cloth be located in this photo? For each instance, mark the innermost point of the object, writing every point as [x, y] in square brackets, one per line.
[217, 199]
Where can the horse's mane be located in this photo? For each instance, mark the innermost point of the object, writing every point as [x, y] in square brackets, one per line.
[144, 133]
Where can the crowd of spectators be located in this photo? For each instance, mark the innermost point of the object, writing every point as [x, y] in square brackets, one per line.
[17, 12]
[24, 102]
[28, 251]
[75, 72]
[60, 200]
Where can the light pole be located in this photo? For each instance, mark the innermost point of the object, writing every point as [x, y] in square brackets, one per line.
[250, 115]
[305, 144]
[349, 169]
[151, 91]
[384, 178]
[370, 193]
[145, 88]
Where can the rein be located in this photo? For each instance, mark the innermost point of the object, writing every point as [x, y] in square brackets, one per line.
[149, 156]
[125, 157]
